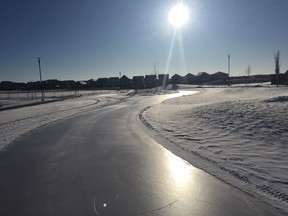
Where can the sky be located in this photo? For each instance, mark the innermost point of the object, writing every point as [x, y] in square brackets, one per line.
[89, 39]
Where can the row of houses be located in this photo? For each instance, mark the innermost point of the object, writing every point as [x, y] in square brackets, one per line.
[137, 82]
[141, 82]
[201, 78]
[47, 84]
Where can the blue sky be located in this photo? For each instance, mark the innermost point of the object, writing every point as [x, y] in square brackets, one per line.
[86, 39]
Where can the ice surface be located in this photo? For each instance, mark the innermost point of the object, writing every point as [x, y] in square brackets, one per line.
[16, 122]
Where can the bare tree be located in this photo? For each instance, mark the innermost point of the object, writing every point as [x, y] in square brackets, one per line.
[277, 66]
[248, 72]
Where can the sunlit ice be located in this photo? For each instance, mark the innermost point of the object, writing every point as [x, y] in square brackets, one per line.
[180, 171]
[178, 15]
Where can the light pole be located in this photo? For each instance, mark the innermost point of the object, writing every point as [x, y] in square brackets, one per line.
[228, 69]
[42, 93]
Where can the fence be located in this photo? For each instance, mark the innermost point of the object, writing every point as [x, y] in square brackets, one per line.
[52, 94]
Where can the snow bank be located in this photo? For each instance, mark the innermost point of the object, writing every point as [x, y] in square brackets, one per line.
[237, 134]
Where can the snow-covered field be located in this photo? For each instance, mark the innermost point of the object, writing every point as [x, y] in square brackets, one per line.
[236, 134]
[16, 122]
[10, 99]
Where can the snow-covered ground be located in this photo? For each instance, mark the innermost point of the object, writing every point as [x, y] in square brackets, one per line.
[236, 134]
[11, 99]
[16, 122]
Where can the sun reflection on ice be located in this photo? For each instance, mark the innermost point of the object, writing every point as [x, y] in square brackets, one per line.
[180, 170]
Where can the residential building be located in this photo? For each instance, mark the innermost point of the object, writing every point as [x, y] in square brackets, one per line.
[202, 78]
[125, 82]
[114, 82]
[176, 79]
[150, 81]
[102, 83]
[163, 80]
[219, 76]
[189, 79]
[138, 82]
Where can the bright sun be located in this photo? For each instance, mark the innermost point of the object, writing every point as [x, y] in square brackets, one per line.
[178, 15]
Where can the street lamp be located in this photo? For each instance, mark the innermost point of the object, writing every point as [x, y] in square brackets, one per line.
[41, 86]
[229, 70]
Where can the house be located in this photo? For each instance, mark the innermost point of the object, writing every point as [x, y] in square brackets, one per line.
[52, 84]
[125, 82]
[114, 82]
[138, 82]
[8, 86]
[176, 79]
[91, 83]
[202, 77]
[21, 86]
[163, 80]
[68, 84]
[219, 76]
[189, 79]
[102, 83]
[33, 85]
[150, 81]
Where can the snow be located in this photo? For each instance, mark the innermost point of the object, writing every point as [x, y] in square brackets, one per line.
[236, 134]
[12, 99]
[156, 91]
[16, 122]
